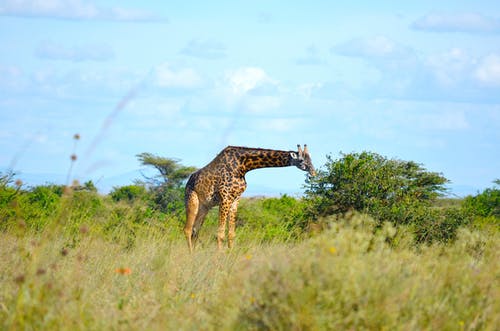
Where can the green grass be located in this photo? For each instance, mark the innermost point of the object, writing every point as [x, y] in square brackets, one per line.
[350, 276]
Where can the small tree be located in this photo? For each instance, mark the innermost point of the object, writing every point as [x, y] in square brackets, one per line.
[166, 188]
[370, 183]
[172, 173]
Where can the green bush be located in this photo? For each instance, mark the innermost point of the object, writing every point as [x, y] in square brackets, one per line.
[269, 219]
[401, 192]
[39, 205]
[370, 183]
[81, 208]
[485, 206]
[128, 193]
[46, 196]
[168, 199]
[8, 200]
[437, 225]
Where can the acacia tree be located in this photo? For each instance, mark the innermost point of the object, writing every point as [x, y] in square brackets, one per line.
[172, 173]
[166, 187]
[370, 183]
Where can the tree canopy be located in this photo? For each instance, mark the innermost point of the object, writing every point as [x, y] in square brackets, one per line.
[369, 182]
[166, 187]
[172, 173]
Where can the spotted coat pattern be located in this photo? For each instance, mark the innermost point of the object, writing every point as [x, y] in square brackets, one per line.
[222, 182]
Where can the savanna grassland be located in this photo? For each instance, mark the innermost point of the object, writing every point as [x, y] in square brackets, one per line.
[372, 245]
[81, 261]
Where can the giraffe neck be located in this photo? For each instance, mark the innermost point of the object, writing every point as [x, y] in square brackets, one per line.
[255, 158]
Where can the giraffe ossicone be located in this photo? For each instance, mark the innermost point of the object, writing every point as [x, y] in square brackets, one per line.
[222, 181]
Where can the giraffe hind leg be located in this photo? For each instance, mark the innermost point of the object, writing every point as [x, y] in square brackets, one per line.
[192, 206]
[200, 217]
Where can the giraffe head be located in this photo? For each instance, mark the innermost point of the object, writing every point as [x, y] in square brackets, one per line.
[302, 160]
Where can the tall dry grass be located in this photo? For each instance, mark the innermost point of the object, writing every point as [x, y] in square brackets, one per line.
[352, 276]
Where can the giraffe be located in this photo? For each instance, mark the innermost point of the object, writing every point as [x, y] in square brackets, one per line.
[222, 182]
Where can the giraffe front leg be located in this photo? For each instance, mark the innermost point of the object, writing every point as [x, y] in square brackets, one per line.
[232, 222]
[224, 209]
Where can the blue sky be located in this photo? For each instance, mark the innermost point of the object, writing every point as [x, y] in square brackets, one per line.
[413, 80]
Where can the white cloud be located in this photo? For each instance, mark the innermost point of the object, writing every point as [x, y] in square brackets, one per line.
[54, 51]
[378, 47]
[452, 67]
[168, 77]
[244, 80]
[403, 73]
[249, 89]
[53, 80]
[205, 49]
[73, 10]
[457, 22]
[488, 70]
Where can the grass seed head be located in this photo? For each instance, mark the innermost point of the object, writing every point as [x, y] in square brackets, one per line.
[20, 279]
[21, 224]
[84, 229]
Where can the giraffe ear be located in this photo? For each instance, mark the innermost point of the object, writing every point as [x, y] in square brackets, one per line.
[294, 155]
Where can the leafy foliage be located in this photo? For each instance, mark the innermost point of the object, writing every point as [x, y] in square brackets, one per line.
[8, 197]
[128, 193]
[7, 192]
[432, 225]
[368, 182]
[271, 219]
[485, 206]
[88, 186]
[171, 172]
[401, 192]
[168, 199]
[166, 190]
